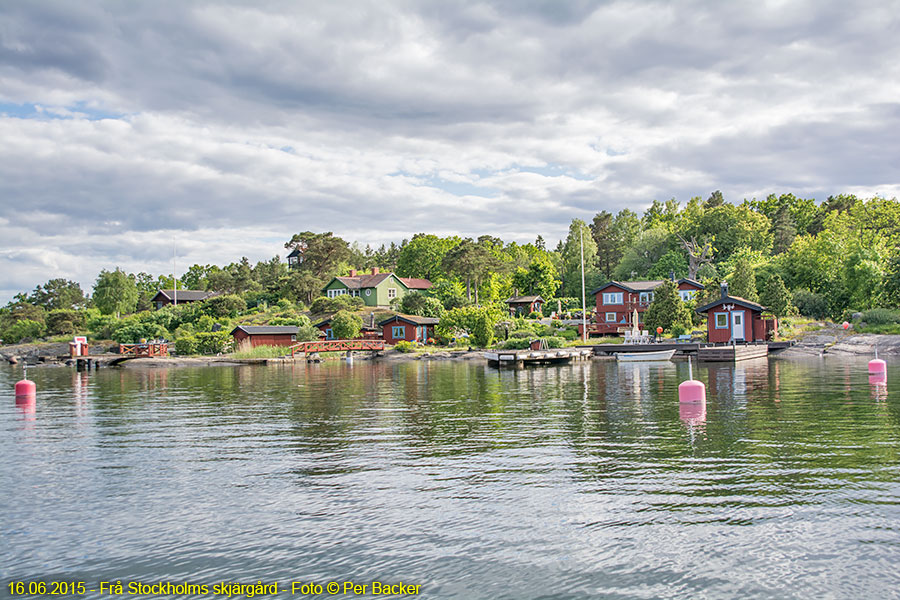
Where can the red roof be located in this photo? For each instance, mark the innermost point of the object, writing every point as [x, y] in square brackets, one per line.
[415, 284]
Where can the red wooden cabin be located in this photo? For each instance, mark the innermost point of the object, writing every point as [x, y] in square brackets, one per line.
[616, 301]
[731, 318]
[524, 305]
[408, 327]
[250, 336]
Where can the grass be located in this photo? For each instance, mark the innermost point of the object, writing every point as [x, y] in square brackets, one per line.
[890, 329]
[262, 352]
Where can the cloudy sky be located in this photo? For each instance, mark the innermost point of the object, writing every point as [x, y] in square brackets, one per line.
[228, 126]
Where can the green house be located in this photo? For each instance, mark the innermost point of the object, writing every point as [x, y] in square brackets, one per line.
[376, 289]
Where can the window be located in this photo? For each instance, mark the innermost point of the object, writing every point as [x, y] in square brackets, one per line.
[686, 294]
[612, 298]
[368, 292]
[293, 338]
[336, 293]
[398, 332]
[646, 297]
[721, 320]
[329, 334]
[610, 317]
[292, 260]
[392, 293]
[356, 293]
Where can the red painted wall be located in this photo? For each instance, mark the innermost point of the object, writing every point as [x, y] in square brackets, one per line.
[409, 331]
[270, 339]
[754, 326]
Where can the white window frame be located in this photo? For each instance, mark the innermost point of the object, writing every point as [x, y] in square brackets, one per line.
[614, 318]
[293, 338]
[336, 293]
[686, 294]
[398, 328]
[716, 320]
[613, 298]
[392, 293]
[646, 297]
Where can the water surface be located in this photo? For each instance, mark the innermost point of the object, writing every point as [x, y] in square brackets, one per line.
[580, 481]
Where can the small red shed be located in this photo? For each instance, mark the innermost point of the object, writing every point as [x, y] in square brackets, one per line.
[250, 336]
[734, 318]
[411, 328]
[524, 305]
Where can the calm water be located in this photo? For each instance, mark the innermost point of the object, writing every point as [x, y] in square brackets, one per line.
[580, 481]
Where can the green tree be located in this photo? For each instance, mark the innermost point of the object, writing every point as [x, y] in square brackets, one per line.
[471, 261]
[346, 325]
[540, 278]
[421, 305]
[58, 294]
[477, 321]
[115, 292]
[667, 310]
[672, 262]
[321, 253]
[424, 256]
[742, 282]
[643, 254]
[783, 229]
[776, 297]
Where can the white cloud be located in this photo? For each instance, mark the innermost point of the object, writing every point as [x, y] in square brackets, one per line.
[234, 125]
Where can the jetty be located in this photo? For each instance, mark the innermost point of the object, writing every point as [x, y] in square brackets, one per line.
[703, 351]
[523, 358]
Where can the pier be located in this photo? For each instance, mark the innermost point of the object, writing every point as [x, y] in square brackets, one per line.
[523, 358]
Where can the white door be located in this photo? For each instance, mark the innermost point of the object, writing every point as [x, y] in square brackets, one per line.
[737, 325]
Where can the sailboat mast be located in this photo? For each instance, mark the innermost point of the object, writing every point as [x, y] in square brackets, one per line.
[583, 301]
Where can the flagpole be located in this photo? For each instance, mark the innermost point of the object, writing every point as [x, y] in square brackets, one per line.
[174, 279]
[583, 301]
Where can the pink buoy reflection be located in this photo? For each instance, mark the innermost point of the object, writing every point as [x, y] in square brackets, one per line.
[692, 413]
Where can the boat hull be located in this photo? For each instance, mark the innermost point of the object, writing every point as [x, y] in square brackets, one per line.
[645, 356]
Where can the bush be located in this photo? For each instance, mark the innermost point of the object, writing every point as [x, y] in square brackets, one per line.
[213, 342]
[132, 331]
[535, 315]
[404, 346]
[285, 304]
[811, 304]
[64, 321]
[517, 343]
[478, 322]
[186, 345]
[298, 320]
[230, 305]
[881, 316]
[23, 329]
[346, 325]
[568, 334]
[323, 304]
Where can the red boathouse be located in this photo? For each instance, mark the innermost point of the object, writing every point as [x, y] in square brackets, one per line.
[731, 318]
[411, 328]
[250, 336]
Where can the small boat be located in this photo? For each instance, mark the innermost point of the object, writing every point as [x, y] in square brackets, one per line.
[645, 356]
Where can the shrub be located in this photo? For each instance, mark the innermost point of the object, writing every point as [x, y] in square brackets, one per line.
[478, 322]
[811, 304]
[131, 331]
[285, 304]
[298, 320]
[213, 342]
[186, 345]
[23, 329]
[535, 315]
[346, 325]
[323, 304]
[224, 306]
[404, 346]
[881, 316]
[64, 320]
[568, 334]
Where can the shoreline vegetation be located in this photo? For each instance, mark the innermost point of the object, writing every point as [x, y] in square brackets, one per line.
[802, 260]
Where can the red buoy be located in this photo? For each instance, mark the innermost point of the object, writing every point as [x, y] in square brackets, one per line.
[691, 391]
[25, 387]
[845, 325]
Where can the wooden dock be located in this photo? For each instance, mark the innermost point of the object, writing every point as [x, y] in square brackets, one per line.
[733, 353]
[522, 358]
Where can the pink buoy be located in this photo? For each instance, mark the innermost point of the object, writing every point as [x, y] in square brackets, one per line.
[691, 391]
[878, 379]
[25, 388]
[876, 365]
[692, 412]
[845, 325]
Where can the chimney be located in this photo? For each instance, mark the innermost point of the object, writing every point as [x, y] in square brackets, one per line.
[374, 270]
[352, 272]
[373, 320]
[672, 275]
[724, 289]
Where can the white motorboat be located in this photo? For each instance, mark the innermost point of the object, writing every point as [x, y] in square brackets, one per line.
[645, 356]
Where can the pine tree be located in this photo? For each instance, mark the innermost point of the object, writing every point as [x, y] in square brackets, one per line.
[742, 282]
[776, 297]
[667, 309]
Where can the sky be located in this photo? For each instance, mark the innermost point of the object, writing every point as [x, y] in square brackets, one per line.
[130, 131]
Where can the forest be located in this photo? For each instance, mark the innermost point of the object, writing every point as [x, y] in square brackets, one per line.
[824, 260]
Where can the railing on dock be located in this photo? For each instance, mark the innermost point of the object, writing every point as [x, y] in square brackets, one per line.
[150, 349]
[337, 346]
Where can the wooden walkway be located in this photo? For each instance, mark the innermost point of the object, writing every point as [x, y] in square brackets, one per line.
[707, 352]
[338, 346]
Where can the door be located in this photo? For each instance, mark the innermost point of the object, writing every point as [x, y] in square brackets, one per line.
[737, 325]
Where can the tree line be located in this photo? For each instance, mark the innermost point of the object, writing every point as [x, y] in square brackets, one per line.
[791, 254]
